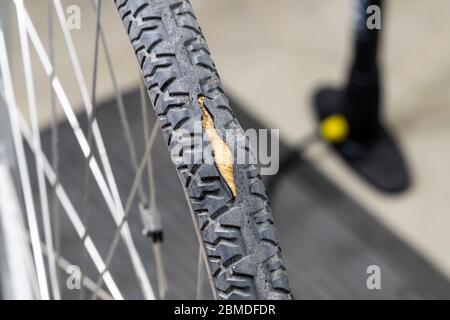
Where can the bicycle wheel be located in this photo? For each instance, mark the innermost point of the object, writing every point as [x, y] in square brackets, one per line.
[227, 200]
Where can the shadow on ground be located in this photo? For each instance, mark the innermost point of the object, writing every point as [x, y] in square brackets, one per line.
[328, 239]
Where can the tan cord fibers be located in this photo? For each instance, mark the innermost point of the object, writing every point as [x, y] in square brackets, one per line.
[220, 150]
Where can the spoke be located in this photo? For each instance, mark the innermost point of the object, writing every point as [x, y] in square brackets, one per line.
[55, 209]
[160, 271]
[129, 204]
[17, 278]
[113, 201]
[91, 117]
[86, 281]
[42, 186]
[151, 181]
[69, 113]
[119, 212]
[133, 157]
[19, 233]
[23, 171]
[70, 211]
[121, 108]
[200, 274]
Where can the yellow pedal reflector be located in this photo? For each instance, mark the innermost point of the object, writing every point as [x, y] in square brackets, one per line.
[334, 128]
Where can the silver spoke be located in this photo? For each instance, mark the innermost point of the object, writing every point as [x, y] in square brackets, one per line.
[91, 118]
[69, 113]
[17, 278]
[113, 201]
[71, 212]
[22, 235]
[55, 214]
[151, 181]
[86, 281]
[200, 274]
[19, 127]
[133, 158]
[121, 108]
[129, 204]
[23, 170]
[162, 286]
[160, 271]
[37, 140]
[144, 282]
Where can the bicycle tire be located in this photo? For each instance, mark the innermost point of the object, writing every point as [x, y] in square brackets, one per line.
[234, 222]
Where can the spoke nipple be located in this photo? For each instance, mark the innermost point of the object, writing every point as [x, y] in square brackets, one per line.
[152, 223]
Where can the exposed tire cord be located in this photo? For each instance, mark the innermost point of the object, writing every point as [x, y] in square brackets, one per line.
[238, 233]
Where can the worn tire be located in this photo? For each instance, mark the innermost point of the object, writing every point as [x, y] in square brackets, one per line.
[236, 229]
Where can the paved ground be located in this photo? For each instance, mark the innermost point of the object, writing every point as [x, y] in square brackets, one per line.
[328, 239]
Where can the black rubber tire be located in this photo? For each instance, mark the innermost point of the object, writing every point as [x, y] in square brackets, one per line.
[239, 237]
